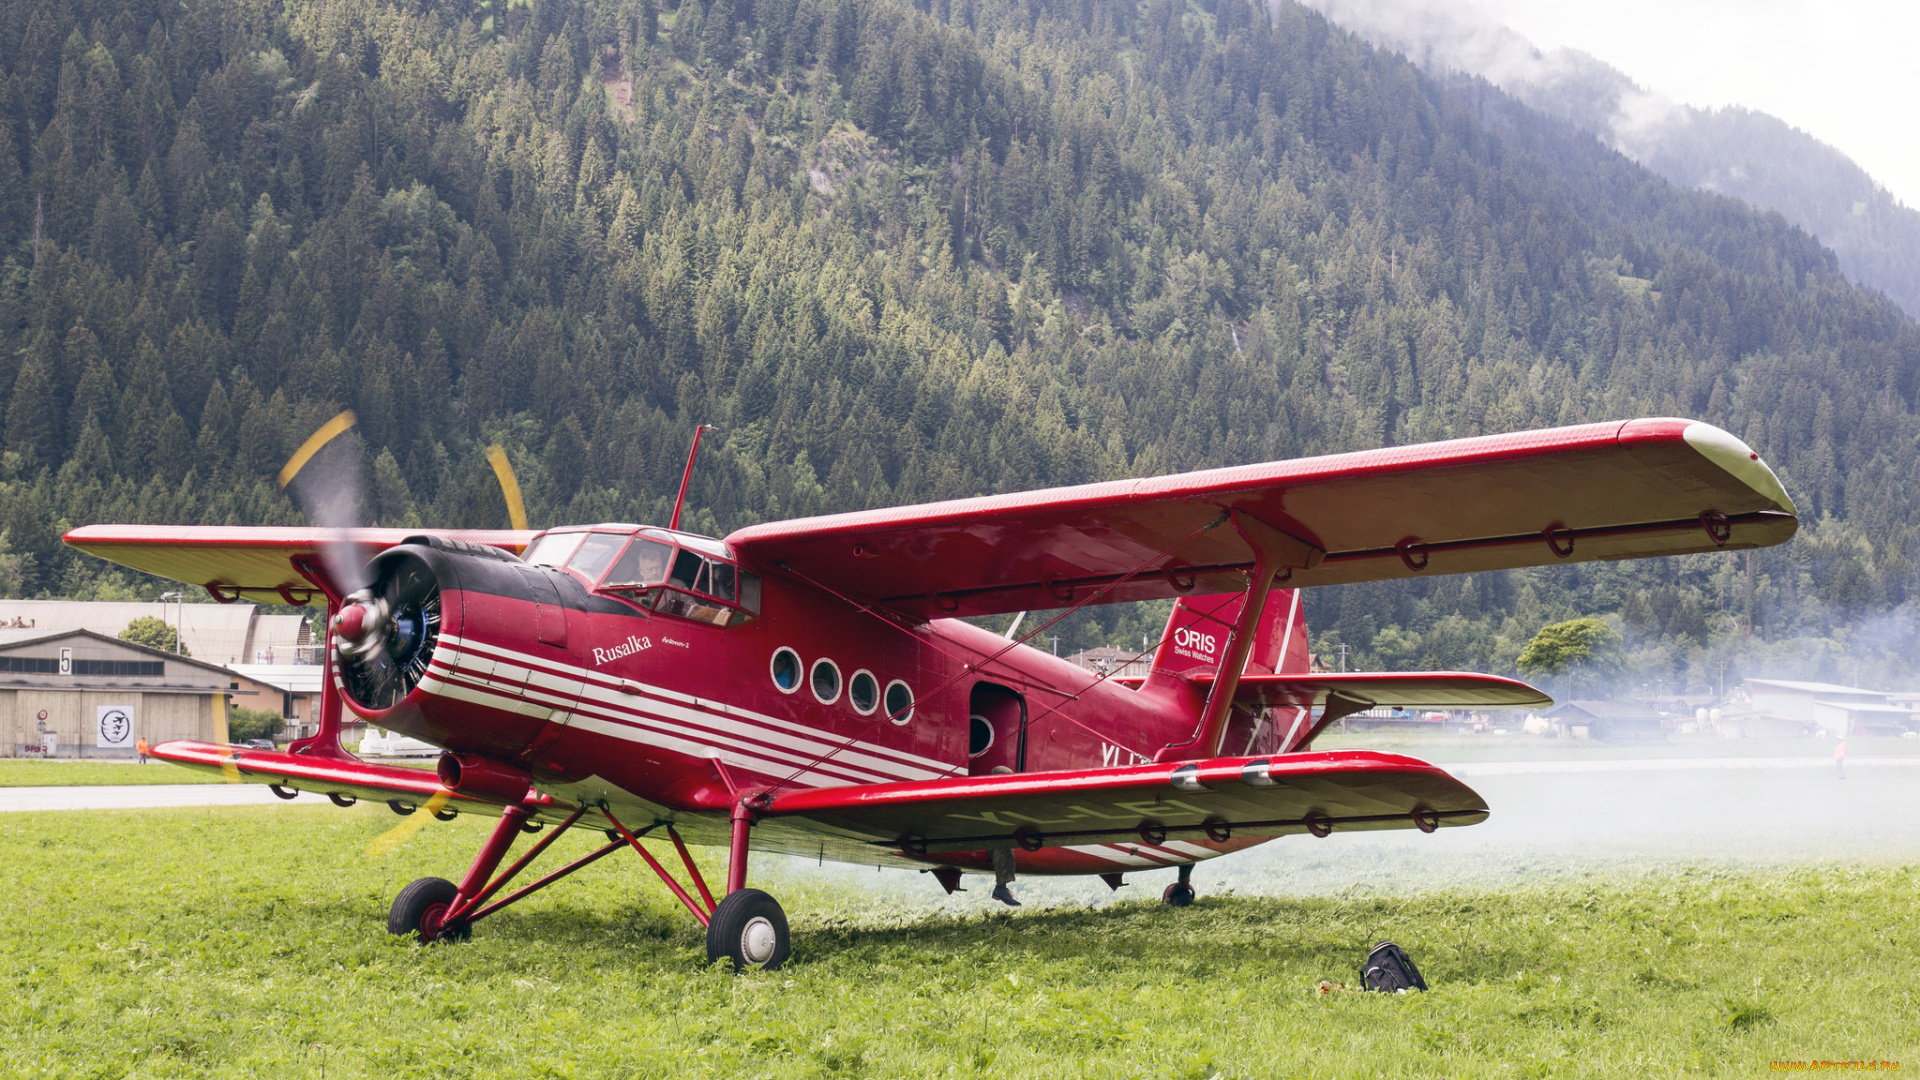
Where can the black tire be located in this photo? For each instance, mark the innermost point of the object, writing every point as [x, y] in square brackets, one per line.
[739, 931]
[283, 793]
[417, 910]
[1178, 894]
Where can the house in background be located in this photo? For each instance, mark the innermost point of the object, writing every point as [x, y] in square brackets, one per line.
[77, 693]
[1607, 721]
[292, 690]
[1105, 660]
[1764, 707]
[216, 633]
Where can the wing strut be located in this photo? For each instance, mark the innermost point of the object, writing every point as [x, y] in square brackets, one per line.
[325, 740]
[1273, 552]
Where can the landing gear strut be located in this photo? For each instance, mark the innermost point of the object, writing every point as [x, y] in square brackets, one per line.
[747, 927]
[1180, 893]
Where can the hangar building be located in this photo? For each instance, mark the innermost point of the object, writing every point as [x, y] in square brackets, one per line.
[77, 693]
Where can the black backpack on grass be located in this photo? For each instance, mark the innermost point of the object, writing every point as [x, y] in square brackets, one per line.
[1389, 969]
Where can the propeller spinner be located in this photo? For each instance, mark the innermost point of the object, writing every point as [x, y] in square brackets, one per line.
[387, 631]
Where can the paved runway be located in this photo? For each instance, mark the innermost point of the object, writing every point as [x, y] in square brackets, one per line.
[1524, 768]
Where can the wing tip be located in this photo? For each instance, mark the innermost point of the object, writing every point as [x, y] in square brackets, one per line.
[1719, 446]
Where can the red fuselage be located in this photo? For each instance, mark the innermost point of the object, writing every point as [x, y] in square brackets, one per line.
[599, 697]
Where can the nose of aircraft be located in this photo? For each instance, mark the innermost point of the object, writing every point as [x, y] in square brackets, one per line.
[359, 624]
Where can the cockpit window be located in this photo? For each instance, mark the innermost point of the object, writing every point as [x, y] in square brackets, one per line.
[721, 580]
[667, 573]
[553, 549]
[687, 570]
[595, 553]
[643, 563]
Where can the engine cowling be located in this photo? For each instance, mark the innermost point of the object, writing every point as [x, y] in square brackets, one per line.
[426, 648]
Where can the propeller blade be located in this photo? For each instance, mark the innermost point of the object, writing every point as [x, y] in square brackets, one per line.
[325, 477]
[509, 485]
[409, 825]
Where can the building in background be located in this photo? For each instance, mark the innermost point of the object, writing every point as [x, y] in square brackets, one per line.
[1774, 707]
[78, 693]
[217, 633]
[292, 690]
[1113, 662]
[1607, 721]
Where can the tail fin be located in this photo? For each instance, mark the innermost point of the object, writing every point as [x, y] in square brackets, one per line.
[1196, 638]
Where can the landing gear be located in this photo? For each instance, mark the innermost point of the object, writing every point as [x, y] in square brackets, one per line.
[421, 909]
[749, 929]
[1180, 893]
[746, 927]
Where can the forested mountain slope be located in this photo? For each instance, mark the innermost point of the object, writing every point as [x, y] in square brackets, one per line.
[1734, 151]
[898, 254]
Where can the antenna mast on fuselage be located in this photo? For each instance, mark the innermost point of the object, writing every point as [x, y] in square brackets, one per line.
[687, 475]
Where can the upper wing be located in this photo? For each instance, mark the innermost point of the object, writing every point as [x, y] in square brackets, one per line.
[271, 565]
[1425, 689]
[1600, 491]
[1240, 796]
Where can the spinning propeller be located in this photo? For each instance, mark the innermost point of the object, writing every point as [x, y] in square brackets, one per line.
[386, 626]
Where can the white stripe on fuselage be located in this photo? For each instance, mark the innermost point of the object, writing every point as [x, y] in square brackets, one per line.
[628, 708]
[605, 685]
[825, 758]
[1140, 855]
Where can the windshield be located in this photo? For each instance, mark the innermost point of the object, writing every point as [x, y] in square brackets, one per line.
[553, 549]
[595, 553]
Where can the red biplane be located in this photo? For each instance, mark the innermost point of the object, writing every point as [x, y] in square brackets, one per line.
[811, 687]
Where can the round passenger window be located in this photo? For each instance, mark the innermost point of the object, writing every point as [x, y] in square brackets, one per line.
[826, 681]
[863, 692]
[786, 670]
[979, 735]
[899, 702]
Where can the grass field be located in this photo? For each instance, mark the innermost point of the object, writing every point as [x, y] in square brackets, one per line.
[70, 773]
[59, 773]
[246, 941]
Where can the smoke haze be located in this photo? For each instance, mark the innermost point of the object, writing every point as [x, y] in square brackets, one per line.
[1552, 821]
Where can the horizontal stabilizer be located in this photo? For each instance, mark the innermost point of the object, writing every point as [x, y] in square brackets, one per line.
[1412, 689]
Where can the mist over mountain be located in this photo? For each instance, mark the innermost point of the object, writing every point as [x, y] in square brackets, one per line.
[1733, 151]
[898, 252]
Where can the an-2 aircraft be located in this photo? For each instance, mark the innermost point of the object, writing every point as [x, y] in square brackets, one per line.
[810, 687]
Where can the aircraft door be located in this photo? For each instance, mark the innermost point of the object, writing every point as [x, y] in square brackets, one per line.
[996, 730]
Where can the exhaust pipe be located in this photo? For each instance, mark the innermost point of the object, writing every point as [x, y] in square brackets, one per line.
[484, 778]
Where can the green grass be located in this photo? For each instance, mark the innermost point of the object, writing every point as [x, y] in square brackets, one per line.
[68, 773]
[245, 941]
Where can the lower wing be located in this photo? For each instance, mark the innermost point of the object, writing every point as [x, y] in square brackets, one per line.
[346, 779]
[1215, 799]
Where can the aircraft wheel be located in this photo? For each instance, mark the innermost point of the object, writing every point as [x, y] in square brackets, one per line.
[420, 909]
[750, 929]
[1178, 894]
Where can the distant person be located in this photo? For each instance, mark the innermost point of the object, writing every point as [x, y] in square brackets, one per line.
[141, 748]
[1840, 759]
